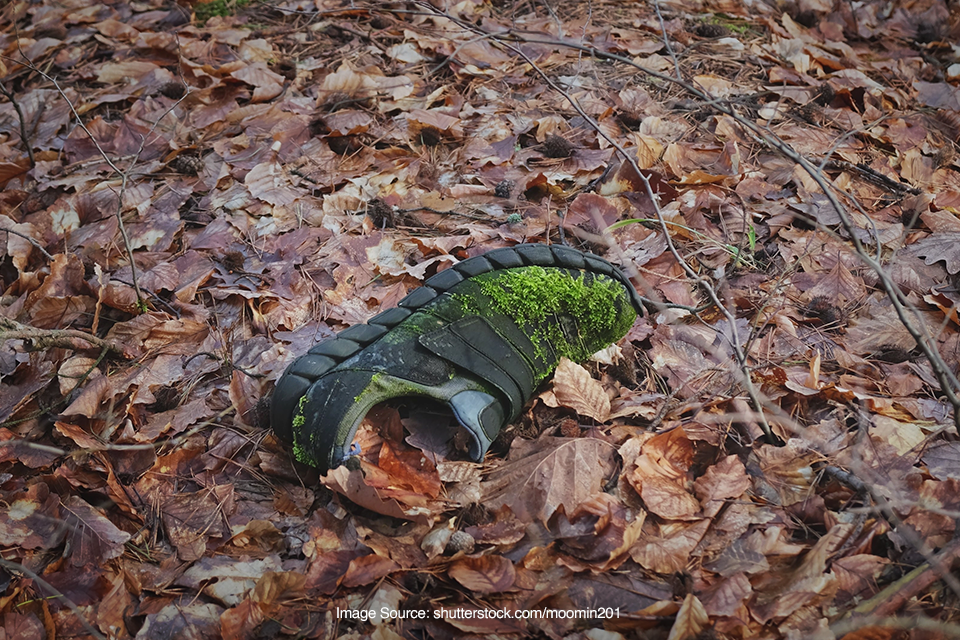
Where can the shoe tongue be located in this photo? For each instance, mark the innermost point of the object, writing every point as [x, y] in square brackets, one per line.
[480, 414]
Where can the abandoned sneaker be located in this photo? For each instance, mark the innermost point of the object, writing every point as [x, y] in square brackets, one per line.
[480, 337]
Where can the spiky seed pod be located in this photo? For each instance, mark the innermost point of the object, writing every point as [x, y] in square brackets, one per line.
[558, 147]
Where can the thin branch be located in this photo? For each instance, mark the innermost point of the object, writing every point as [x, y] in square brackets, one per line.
[62, 338]
[24, 138]
[666, 40]
[742, 361]
[125, 175]
[33, 241]
[172, 443]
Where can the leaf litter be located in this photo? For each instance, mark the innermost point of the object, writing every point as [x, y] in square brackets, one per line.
[287, 169]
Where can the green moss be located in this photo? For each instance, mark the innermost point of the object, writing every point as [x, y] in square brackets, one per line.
[222, 8]
[416, 325]
[300, 452]
[537, 299]
[374, 382]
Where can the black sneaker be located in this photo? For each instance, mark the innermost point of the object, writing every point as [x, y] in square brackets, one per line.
[480, 337]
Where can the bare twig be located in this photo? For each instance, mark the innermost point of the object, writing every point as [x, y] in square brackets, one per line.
[123, 230]
[24, 138]
[62, 338]
[33, 241]
[742, 361]
[666, 40]
[170, 444]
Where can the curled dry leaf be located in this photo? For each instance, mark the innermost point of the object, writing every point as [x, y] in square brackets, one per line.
[483, 574]
[351, 484]
[725, 480]
[274, 586]
[266, 83]
[437, 538]
[661, 475]
[598, 534]
[575, 388]
[789, 469]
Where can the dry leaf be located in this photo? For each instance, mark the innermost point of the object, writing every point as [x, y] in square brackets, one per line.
[247, 168]
[575, 388]
[691, 619]
[541, 475]
[725, 480]
[483, 574]
[93, 539]
[669, 550]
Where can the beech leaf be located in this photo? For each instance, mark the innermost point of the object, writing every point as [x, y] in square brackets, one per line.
[691, 619]
[544, 474]
[484, 574]
[575, 388]
[93, 538]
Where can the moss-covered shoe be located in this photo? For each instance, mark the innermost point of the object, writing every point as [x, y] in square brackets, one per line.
[480, 337]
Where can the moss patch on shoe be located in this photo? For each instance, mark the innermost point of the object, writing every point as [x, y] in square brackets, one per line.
[536, 297]
[300, 452]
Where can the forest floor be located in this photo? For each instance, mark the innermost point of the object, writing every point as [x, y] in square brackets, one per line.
[194, 196]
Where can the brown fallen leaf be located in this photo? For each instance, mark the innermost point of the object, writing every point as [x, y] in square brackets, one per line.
[237, 622]
[483, 574]
[32, 519]
[598, 534]
[227, 580]
[943, 460]
[369, 489]
[725, 480]
[327, 569]
[190, 519]
[669, 550]
[691, 619]
[541, 475]
[93, 539]
[275, 586]
[575, 388]
[727, 596]
[368, 569]
[193, 620]
[661, 475]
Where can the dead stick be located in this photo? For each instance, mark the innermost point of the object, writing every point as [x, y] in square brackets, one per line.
[32, 241]
[23, 124]
[64, 338]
